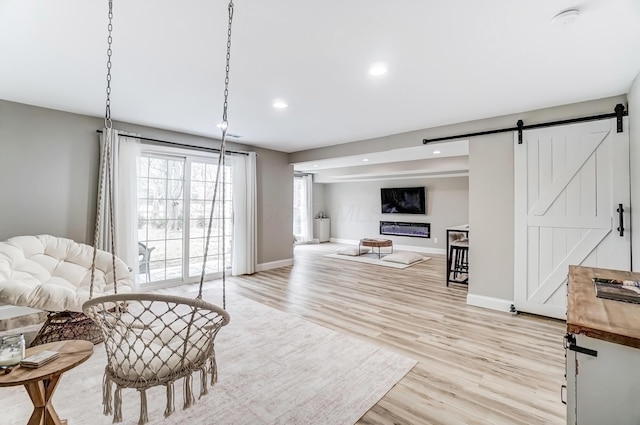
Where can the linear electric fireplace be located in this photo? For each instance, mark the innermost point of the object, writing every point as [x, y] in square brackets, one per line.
[402, 228]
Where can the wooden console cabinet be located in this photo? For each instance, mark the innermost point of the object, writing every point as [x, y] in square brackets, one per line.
[603, 352]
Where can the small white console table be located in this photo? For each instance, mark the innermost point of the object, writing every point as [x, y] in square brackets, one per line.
[322, 229]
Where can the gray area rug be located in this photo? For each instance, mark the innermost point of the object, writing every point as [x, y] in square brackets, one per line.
[373, 259]
[274, 368]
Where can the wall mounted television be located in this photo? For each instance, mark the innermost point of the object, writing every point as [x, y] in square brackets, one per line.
[403, 200]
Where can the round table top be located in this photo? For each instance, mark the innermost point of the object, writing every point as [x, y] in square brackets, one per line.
[72, 353]
[377, 242]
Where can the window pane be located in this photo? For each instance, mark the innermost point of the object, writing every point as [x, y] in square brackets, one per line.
[196, 247]
[143, 167]
[175, 189]
[157, 270]
[174, 249]
[158, 168]
[197, 191]
[212, 170]
[157, 209]
[176, 170]
[143, 188]
[197, 172]
[197, 212]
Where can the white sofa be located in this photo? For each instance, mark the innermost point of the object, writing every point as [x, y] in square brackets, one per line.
[54, 274]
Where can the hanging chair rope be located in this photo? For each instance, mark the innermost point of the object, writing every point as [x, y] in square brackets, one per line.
[105, 169]
[155, 339]
[221, 165]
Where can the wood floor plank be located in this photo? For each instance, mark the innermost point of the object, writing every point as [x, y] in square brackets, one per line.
[475, 366]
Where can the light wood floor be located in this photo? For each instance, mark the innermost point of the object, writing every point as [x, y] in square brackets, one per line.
[475, 366]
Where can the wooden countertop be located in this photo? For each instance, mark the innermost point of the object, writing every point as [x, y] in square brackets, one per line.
[608, 320]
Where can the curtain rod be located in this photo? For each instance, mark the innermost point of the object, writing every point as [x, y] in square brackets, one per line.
[618, 114]
[180, 145]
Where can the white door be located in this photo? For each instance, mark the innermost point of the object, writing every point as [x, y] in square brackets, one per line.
[569, 181]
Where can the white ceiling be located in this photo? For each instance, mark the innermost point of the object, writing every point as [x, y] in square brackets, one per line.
[449, 61]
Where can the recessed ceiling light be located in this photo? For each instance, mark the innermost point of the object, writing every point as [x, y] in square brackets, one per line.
[566, 17]
[280, 104]
[436, 152]
[378, 69]
[315, 165]
[365, 160]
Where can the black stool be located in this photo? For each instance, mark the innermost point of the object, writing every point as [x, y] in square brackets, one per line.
[458, 263]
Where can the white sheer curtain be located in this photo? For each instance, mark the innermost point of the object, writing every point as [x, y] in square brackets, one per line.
[307, 211]
[123, 166]
[244, 249]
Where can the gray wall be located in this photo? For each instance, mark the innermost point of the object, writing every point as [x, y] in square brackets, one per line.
[48, 170]
[319, 203]
[354, 209]
[275, 206]
[490, 184]
[491, 216]
[634, 130]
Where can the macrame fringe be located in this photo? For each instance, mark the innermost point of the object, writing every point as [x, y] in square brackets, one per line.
[106, 395]
[189, 399]
[144, 416]
[213, 366]
[171, 407]
[117, 405]
[203, 381]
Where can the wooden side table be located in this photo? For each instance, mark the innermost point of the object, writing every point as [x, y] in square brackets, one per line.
[376, 243]
[41, 383]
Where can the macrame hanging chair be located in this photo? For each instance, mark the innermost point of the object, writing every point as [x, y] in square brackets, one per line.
[154, 339]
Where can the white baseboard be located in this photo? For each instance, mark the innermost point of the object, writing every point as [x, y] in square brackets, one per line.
[274, 264]
[11, 311]
[425, 249]
[489, 302]
[344, 241]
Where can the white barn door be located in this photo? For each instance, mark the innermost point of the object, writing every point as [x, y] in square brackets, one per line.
[569, 181]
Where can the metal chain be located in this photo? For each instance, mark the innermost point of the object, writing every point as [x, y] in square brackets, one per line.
[105, 160]
[226, 75]
[221, 164]
[107, 112]
[109, 140]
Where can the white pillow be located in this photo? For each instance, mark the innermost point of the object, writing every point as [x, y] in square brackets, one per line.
[406, 257]
[352, 250]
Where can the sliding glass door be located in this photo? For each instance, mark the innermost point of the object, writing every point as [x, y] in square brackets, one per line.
[174, 205]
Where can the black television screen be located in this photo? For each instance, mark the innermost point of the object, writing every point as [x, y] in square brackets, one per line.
[404, 200]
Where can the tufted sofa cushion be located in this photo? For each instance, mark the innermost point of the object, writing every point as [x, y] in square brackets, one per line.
[54, 274]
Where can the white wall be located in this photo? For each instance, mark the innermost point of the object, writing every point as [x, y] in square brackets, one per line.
[634, 130]
[354, 209]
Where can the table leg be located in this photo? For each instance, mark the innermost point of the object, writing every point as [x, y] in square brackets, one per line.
[41, 393]
[448, 258]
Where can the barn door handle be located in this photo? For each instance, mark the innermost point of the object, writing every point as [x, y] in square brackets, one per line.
[620, 219]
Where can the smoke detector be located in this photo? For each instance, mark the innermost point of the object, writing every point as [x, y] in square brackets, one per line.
[566, 17]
